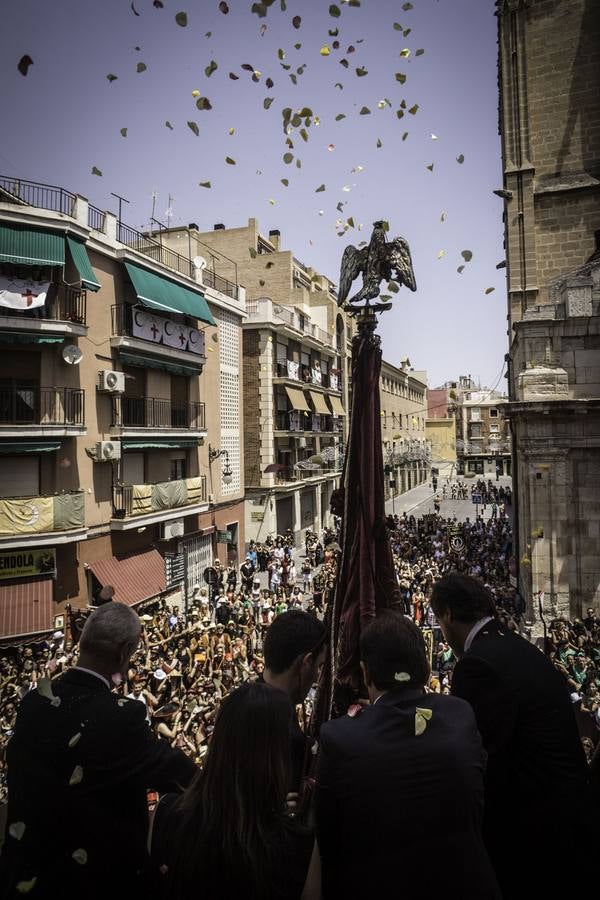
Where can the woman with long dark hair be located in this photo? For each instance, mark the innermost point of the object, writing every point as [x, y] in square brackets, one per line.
[230, 834]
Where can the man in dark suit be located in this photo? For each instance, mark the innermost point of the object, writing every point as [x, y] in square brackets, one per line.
[400, 785]
[294, 652]
[79, 765]
[536, 802]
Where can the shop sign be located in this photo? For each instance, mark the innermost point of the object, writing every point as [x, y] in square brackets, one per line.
[257, 516]
[224, 537]
[25, 563]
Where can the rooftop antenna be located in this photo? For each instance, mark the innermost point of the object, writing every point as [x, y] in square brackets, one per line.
[169, 211]
[154, 198]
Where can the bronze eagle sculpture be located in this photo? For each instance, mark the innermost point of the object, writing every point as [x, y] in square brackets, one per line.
[376, 261]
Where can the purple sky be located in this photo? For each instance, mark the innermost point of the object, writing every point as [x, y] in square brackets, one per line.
[65, 117]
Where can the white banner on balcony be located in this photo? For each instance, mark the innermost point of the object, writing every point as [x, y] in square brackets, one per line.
[293, 369]
[160, 330]
[18, 294]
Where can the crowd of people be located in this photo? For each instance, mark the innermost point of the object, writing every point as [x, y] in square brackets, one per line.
[189, 661]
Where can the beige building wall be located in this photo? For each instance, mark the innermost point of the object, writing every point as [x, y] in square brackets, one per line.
[101, 339]
[403, 399]
[441, 436]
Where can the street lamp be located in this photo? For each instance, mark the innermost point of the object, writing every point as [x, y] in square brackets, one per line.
[227, 473]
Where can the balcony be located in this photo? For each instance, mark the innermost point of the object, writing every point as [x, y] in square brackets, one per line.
[309, 375]
[131, 333]
[21, 192]
[135, 505]
[143, 416]
[63, 314]
[306, 423]
[27, 410]
[292, 321]
[37, 521]
[289, 476]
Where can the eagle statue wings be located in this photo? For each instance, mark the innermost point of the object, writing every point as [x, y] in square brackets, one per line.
[376, 262]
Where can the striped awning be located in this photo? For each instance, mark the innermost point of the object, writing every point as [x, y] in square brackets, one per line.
[30, 246]
[135, 578]
[297, 399]
[319, 403]
[336, 405]
[79, 255]
[26, 609]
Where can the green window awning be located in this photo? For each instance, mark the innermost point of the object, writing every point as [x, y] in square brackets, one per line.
[172, 444]
[161, 294]
[24, 447]
[18, 337]
[83, 265]
[149, 362]
[31, 246]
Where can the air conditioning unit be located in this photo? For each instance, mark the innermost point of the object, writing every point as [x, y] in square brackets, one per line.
[171, 529]
[111, 382]
[106, 451]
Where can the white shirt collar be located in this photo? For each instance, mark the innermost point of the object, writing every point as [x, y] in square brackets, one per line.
[475, 630]
[97, 674]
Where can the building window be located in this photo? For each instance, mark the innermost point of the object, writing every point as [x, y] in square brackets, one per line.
[493, 413]
[476, 414]
[494, 429]
[178, 468]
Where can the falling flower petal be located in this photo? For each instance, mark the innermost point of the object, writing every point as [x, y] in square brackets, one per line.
[211, 67]
[413, 109]
[467, 255]
[204, 184]
[325, 51]
[489, 290]
[331, 147]
[460, 270]
[80, 856]
[430, 167]
[441, 254]
[76, 776]
[181, 19]
[262, 30]
[361, 72]
[233, 76]
[460, 159]
[443, 217]
[419, 52]
[110, 77]
[339, 117]
[287, 158]
[422, 716]
[24, 63]
[123, 132]
[405, 53]
[193, 127]
[272, 202]
[365, 111]
[195, 93]
[405, 135]
[133, 9]
[334, 11]
[297, 21]
[23, 887]
[346, 188]
[141, 67]
[339, 85]
[230, 161]
[400, 676]
[267, 102]
[168, 125]
[17, 830]
[319, 189]
[434, 137]
[232, 131]
[285, 182]
[381, 104]
[407, 6]
[397, 26]
[223, 7]
[379, 143]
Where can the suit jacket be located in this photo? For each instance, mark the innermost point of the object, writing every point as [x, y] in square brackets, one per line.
[78, 773]
[536, 781]
[394, 808]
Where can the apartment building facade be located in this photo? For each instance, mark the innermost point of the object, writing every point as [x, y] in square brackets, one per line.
[406, 452]
[120, 405]
[483, 435]
[296, 345]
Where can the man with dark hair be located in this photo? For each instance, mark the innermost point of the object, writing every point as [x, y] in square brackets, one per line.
[294, 651]
[536, 778]
[389, 778]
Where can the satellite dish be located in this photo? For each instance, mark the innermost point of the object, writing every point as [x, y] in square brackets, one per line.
[72, 355]
[199, 262]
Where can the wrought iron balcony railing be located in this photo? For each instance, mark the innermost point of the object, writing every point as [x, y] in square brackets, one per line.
[63, 304]
[26, 404]
[145, 499]
[154, 412]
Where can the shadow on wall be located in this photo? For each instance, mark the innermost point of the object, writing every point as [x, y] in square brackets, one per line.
[584, 93]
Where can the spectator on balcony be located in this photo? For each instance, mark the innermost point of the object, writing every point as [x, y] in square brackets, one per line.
[229, 835]
[85, 752]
